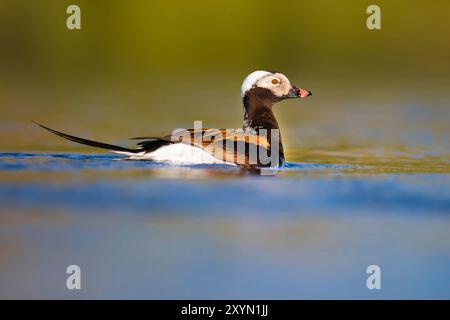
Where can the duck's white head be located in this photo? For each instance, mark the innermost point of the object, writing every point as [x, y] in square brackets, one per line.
[277, 83]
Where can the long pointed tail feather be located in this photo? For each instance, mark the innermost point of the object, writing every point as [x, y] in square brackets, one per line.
[91, 143]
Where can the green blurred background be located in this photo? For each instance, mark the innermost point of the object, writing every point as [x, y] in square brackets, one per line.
[146, 67]
[144, 230]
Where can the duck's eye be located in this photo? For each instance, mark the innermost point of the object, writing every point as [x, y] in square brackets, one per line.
[275, 81]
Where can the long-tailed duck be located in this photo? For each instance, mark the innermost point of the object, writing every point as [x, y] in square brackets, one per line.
[257, 144]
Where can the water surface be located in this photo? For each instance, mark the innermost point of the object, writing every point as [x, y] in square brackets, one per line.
[140, 229]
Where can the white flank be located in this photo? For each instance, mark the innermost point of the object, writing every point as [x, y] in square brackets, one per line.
[177, 153]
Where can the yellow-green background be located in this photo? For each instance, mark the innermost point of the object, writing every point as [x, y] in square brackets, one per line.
[144, 230]
[146, 67]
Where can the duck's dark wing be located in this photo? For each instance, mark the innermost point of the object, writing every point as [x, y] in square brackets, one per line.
[232, 146]
[244, 149]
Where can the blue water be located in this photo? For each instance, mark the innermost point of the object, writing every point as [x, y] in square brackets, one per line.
[140, 229]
